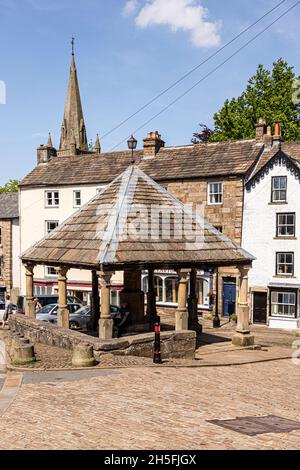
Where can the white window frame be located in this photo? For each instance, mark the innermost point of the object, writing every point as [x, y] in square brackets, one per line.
[210, 194]
[75, 198]
[48, 273]
[275, 304]
[53, 198]
[56, 222]
[290, 253]
[286, 225]
[279, 190]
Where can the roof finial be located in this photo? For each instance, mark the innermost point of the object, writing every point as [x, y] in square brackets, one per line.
[73, 44]
[49, 143]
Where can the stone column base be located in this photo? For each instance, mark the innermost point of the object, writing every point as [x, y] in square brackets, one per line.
[106, 328]
[30, 309]
[243, 340]
[63, 318]
[181, 320]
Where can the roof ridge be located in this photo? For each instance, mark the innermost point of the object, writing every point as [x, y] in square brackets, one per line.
[114, 219]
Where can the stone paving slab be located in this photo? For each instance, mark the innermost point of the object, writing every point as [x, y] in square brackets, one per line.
[155, 409]
[9, 390]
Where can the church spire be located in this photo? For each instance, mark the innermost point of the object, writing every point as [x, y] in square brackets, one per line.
[97, 146]
[73, 125]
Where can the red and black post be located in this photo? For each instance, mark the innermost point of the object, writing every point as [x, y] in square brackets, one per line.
[157, 353]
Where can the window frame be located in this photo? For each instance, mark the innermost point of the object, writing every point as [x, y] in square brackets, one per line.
[47, 274]
[277, 264]
[278, 235]
[50, 222]
[210, 194]
[53, 192]
[75, 205]
[284, 291]
[281, 201]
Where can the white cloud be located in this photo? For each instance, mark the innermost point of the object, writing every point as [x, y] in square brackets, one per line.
[184, 15]
[130, 7]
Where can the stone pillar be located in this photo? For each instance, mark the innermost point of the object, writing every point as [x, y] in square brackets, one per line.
[243, 336]
[182, 315]
[95, 301]
[62, 312]
[193, 322]
[30, 306]
[133, 294]
[105, 322]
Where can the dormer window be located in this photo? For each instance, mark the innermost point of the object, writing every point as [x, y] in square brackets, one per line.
[279, 189]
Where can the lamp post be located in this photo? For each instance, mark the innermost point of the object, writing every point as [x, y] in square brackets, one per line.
[216, 320]
[132, 144]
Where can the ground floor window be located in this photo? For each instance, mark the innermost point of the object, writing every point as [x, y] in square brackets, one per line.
[283, 304]
[166, 288]
[42, 290]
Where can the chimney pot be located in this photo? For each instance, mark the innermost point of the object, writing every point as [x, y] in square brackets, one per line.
[268, 138]
[277, 132]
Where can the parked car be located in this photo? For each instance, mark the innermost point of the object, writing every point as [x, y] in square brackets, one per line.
[2, 310]
[45, 300]
[49, 312]
[82, 318]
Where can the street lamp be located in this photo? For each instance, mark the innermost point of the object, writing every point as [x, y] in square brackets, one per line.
[132, 144]
[216, 319]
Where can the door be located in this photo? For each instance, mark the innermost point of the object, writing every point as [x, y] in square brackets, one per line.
[260, 307]
[229, 298]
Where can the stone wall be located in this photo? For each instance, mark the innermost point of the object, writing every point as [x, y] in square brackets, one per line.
[229, 215]
[173, 344]
[6, 255]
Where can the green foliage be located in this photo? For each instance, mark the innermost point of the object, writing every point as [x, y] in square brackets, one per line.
[234, 318]
[269, 95]
[10, 187]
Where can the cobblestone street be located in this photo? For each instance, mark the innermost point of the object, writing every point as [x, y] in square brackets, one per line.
[151, 408]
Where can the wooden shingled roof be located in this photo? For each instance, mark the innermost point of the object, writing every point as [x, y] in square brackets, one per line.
[135, 222]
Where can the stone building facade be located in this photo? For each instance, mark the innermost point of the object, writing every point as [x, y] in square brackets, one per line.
[9, 245]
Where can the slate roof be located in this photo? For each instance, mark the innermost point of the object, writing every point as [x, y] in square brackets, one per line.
[9, 205]
[118, 229]
[192, 161]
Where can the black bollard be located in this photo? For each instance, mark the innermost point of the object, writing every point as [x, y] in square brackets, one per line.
[157, 353]
[216, 322]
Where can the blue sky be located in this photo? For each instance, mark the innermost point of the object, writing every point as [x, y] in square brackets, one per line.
[124, 57]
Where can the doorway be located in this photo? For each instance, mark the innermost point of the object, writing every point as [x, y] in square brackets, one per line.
[229, 297]
[260, 307]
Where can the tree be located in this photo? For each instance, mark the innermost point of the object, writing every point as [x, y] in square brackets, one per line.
[270, 95]
[204, 136]
[10, 187]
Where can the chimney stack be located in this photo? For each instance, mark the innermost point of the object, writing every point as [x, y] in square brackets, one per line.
[152, 144]
[261, 129]
[46, 152]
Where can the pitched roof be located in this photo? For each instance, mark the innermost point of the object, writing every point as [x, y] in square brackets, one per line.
[9, 205]
[122, 226]
[291, 150]
[192, 161]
